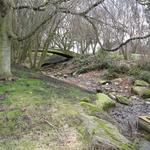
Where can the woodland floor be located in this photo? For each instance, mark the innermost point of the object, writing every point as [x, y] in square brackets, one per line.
[40, 112]
[126, 116]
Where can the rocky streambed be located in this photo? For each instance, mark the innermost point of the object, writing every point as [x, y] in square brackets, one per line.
[131, 98]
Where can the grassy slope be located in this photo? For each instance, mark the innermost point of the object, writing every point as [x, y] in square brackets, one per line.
[35, 114]
[45, 115]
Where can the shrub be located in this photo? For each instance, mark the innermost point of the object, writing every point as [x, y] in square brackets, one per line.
[134, 71]
[119, 69]
[145, 66]
[144, 75]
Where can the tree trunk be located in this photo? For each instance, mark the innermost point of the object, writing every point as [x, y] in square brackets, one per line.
[5, 41]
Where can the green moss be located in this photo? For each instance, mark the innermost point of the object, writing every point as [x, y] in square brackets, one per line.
[104, 102]
[18, 145]
[141, 83]
[123, 100]
[103, 132]
[9, 120]
[138, 90]
[86, 99]
[90, 107]
[146, 93]
[141, 91]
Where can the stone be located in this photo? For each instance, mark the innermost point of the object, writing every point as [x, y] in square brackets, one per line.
[139, 90]
[65, 75]
[146, 93]
[141, 83]
[103, 135]
[144, 123]
[104, 81]
[123, 100]
[104, 102]
[112, 95]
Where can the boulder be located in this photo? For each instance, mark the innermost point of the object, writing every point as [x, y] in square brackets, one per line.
[146, 93]
[123, 100]
[104, 102]
[141, 83]
[103, 135]
[141, 91]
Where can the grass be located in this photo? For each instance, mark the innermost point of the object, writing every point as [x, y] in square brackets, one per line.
[26, 106]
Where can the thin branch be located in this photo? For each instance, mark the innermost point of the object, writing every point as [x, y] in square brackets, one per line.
[146, 2]
[119, 46]
[38, 8]
[37, 28]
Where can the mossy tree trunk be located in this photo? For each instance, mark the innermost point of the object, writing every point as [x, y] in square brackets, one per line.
[5, 39]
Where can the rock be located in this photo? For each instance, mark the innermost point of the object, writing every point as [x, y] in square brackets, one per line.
[104, 81]
[112, 95]
[146, 93]
[65, 75]
[139, 90]
[123, 100]
[104, 102]
[141, 83]
[103, 135]
[144, 123]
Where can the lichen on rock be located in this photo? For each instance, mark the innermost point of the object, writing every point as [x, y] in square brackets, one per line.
[103, 135]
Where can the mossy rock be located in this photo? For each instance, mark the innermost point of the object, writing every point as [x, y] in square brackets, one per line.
[123, 100]
[141, 83]
[146, 93]
[104, 135]
[89, 106]
[141, 91]
[104, 102]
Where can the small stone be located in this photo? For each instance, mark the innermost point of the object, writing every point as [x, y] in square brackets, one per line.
[65, 75]
[104, 81]
[111, 95]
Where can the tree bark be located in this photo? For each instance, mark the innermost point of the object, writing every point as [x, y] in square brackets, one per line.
[5, 40]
